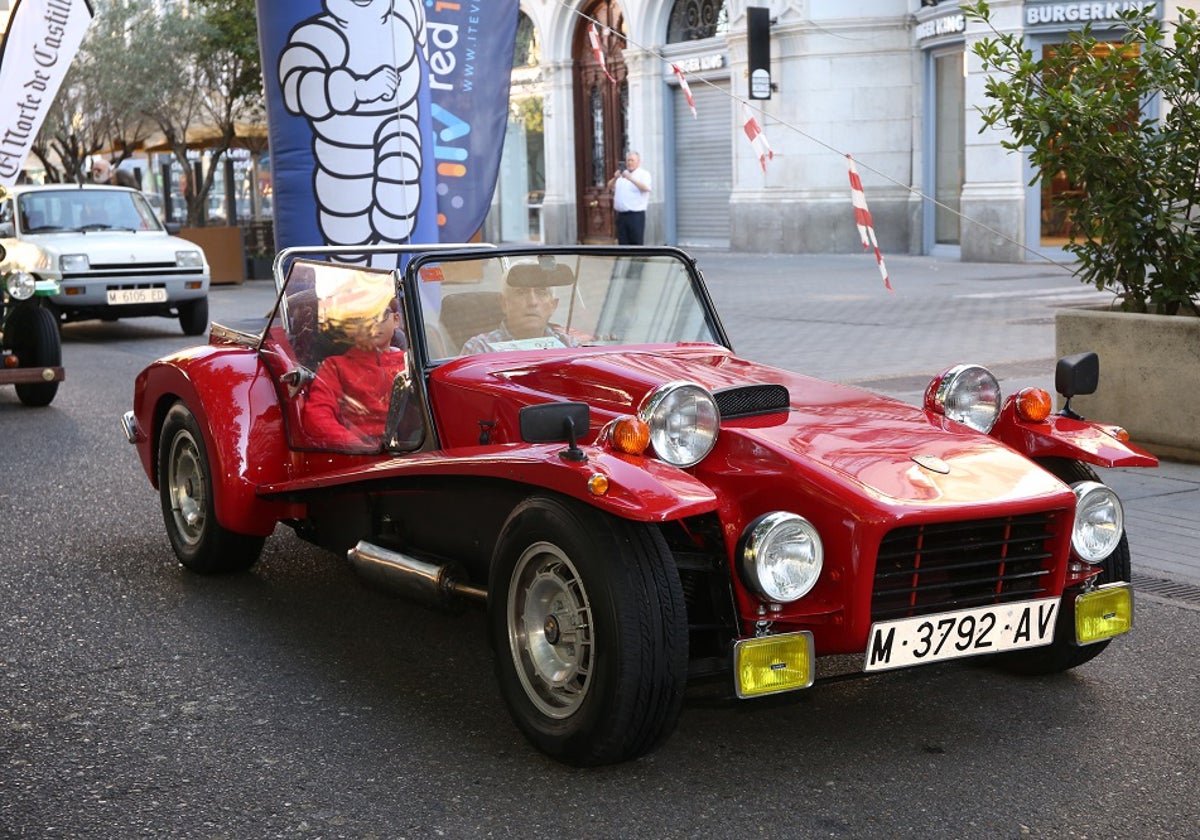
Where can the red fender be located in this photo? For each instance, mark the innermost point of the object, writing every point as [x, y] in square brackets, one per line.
[637, 488]
[237, 408]
[1064, 437]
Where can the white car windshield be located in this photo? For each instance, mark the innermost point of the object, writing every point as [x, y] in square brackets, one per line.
[75, 209]
[548, 301]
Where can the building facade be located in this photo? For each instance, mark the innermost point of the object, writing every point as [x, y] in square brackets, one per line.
[891, 82]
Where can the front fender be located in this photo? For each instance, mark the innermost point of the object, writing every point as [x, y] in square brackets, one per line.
[1065, 437]
[637, 488]
[234, 401]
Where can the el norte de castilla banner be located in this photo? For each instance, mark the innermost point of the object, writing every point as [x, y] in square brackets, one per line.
[386, 117]
[42, 39]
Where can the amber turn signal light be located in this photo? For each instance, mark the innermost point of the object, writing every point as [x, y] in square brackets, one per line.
[1033, 404]
[630, 435]
[11, 361]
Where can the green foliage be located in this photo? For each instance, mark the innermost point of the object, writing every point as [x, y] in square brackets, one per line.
[1081, 110]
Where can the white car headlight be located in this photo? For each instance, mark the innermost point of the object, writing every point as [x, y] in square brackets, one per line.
[683, 421]
[20, 285]
[968, 394]
[1099, 521]
[189, 259]
[73, 262]
[781, 556]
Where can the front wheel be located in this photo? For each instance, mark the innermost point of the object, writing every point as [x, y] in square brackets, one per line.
[589, 629]
[193, 316]
[185, 488]
[1063, 654]
[32, 333]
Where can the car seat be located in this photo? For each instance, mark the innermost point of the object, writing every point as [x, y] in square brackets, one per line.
[467, 314]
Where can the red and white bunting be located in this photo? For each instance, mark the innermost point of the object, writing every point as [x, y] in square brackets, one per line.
[687, 91]
[598, 51]
[757, 139]
[862, 217]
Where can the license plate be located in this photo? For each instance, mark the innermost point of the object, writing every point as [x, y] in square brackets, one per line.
[953, 635]
[121, 297]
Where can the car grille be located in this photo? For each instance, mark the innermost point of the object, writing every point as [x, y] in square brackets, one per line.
[147, 266]
[749, 400]
[933, 568]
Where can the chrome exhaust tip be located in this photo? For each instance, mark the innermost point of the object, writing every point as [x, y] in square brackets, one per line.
[439, 586]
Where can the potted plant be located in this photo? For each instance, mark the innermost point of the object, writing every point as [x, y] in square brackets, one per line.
[1118, 122]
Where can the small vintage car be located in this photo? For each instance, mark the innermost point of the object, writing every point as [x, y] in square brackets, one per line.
[646, 508]
[107, 252]
[30, 346]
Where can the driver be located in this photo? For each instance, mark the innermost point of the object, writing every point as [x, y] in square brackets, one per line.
[527, 310]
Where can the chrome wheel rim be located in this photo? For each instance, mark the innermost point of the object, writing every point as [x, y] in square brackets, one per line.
[187, 488]
[550, 630]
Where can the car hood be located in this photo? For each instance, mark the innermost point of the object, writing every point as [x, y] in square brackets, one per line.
[101, 247]
[891, 451]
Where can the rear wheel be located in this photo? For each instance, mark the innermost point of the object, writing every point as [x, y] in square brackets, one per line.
[193, 316]
[32, 333]
[1063, 654]
[589, 629]
[185, 487]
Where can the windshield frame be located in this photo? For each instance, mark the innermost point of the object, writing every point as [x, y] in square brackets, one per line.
[515, 254]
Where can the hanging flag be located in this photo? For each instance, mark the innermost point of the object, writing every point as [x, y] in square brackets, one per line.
[687, 91]
[598, 51]
[757, 139]
[42, 39]
[862, 217]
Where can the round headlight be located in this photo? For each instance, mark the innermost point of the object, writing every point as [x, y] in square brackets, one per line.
[781, 556]
[20, 285]
[683, 421]
[1099, 521]
[968, 394]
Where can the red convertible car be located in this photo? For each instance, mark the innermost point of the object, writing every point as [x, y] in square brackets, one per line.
[648, 509]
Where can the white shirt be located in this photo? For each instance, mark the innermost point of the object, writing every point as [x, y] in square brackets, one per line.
[627, 197]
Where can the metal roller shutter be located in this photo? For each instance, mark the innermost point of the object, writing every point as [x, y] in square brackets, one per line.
[703, 166]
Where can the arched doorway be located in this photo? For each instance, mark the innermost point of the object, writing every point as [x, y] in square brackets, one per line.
[601, 106]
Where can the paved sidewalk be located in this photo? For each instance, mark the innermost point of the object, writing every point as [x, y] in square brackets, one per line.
[830, 316]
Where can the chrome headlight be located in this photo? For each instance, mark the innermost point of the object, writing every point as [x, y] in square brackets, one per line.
[968, 394]
[20, 285]
[782, 556]
[189, 259]
[1099, 521]
[73, 262]
[683, 421]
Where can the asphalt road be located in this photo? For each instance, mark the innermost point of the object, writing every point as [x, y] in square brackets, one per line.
[137, 700]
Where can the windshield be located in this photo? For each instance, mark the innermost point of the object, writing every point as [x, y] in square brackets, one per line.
[84, 210]
[530, 301]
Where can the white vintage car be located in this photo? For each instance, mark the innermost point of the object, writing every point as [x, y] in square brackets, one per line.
[107, 250]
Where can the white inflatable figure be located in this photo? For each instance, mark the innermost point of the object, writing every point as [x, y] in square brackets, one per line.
[354, 72]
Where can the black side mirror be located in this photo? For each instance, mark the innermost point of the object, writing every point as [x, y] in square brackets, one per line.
[1076, 375]
[3, 253]
[556, 421]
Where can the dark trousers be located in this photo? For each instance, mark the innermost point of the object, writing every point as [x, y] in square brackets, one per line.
[631, 227]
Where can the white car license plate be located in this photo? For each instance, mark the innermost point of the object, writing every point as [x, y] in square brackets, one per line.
[120, 297]
[951, 635]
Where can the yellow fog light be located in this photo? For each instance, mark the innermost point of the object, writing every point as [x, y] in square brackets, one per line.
[771, 664]
[1103, 613]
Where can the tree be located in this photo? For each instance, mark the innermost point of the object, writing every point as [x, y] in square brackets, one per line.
[1079, 111]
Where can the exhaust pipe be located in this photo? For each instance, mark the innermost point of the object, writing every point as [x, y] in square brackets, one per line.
[408, 576]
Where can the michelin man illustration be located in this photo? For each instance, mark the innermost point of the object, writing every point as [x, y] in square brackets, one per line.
[354, 72]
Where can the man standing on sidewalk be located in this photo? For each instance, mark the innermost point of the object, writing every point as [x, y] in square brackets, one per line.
[631, 195]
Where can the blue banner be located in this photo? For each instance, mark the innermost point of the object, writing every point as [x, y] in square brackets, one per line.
[386, 118]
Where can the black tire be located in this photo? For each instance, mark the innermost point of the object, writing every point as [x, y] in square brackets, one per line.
[589, 628]
[193, 316]
[185, 489]
[1063, 654]
[32, 333]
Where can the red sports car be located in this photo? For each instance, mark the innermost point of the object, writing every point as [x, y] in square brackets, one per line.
[565, 437]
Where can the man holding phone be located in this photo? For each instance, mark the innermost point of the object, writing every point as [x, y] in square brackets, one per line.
[631, 195]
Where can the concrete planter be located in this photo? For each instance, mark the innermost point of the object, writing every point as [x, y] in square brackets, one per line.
[1149, 375]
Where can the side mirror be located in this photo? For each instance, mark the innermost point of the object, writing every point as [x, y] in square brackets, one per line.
[3, 253]
[173, 228]
[548, 423]
[1076, 375]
